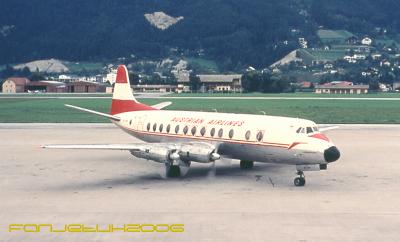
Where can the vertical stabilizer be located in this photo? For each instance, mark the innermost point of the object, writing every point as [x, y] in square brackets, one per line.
[123, 99]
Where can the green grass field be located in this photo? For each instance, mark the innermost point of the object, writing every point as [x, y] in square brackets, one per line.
[84, 66]
[291, 95]
[321, 111]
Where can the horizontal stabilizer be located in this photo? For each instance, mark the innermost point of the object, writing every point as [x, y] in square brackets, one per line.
[323, 129]
[161, 105]
[95, 112]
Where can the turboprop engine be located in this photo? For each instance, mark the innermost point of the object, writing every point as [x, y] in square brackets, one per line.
[178, 157]
[197, 152]
[158, 154]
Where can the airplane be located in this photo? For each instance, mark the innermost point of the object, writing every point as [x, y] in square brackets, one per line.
[177, 138]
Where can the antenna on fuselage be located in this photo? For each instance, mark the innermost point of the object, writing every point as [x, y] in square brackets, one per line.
[215, 110]
[263, 112]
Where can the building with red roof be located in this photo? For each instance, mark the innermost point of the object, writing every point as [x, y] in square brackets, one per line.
[341, 87]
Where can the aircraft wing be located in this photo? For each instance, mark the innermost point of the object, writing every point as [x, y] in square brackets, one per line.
[94, 112]
[326, 128]
[131, 147]
[160, 152]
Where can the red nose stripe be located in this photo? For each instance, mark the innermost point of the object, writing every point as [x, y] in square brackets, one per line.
[320, 136]
[122, 75]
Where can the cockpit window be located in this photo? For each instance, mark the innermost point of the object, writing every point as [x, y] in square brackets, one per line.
[300, 130]
[307, 130]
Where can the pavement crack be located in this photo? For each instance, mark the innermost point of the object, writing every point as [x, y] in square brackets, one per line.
[272, 183]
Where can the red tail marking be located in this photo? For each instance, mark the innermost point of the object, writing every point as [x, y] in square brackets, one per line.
[122, 106]
[122, 75]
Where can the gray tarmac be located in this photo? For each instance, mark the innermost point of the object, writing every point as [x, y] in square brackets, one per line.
[356, 199]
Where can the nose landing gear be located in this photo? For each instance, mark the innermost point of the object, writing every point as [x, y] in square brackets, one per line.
[301, 180]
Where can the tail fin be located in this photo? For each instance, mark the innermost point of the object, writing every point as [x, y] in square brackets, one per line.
[123, 99]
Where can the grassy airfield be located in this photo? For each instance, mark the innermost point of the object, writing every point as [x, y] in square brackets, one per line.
[49, 110]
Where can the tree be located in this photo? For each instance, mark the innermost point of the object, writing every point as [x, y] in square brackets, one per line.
[36, 76]
[265, 82]
[194, 82]
[133, 79]
[374, 85]
[251, 81]
[8, 72]
[25, 72]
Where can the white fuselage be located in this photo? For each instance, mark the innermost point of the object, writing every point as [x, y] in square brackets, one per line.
[259, 138]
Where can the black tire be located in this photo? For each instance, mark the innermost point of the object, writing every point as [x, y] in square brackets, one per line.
[299, 181]
[173, 171]
[246, 165]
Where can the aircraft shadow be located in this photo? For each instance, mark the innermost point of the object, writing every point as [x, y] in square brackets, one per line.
[195, 174]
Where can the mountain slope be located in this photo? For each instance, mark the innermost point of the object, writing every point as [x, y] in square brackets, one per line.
[235, 33]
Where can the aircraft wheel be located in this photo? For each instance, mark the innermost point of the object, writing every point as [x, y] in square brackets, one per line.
[246, 165]
[299, 181]
[173, 171]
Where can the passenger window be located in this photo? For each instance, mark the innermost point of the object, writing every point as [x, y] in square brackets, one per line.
[212, 132]
[220, 132]
[260, 135]
[130, 122]
[154, 127]
[168, 128]
[194, 130]
[177, 129]
[247, 135]
[203, 131]
[309, 130]
[231, 132]
[148, 127]
[185, 129]
[161, 128]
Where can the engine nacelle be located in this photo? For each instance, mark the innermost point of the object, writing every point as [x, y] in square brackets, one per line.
[158, 154]
[203, 153]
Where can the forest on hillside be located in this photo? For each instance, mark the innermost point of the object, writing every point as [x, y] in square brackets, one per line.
[234, 33]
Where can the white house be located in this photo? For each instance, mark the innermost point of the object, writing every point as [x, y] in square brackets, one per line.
[359, 57]
[366, 41]
[303, 43]
[111, 76]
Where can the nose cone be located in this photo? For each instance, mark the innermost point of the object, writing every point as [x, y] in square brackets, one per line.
[331, 154]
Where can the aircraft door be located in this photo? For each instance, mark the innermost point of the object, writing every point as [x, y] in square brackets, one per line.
[139, 122]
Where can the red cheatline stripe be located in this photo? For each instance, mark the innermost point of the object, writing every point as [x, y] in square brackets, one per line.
[122, 106]
[294, 144]
[206, 138]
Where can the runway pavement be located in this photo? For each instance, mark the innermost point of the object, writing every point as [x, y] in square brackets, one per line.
[356, 199]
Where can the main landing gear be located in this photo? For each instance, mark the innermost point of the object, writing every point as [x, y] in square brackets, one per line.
[246, 165]
[173, 171]
[301, 180]
[176, 170]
